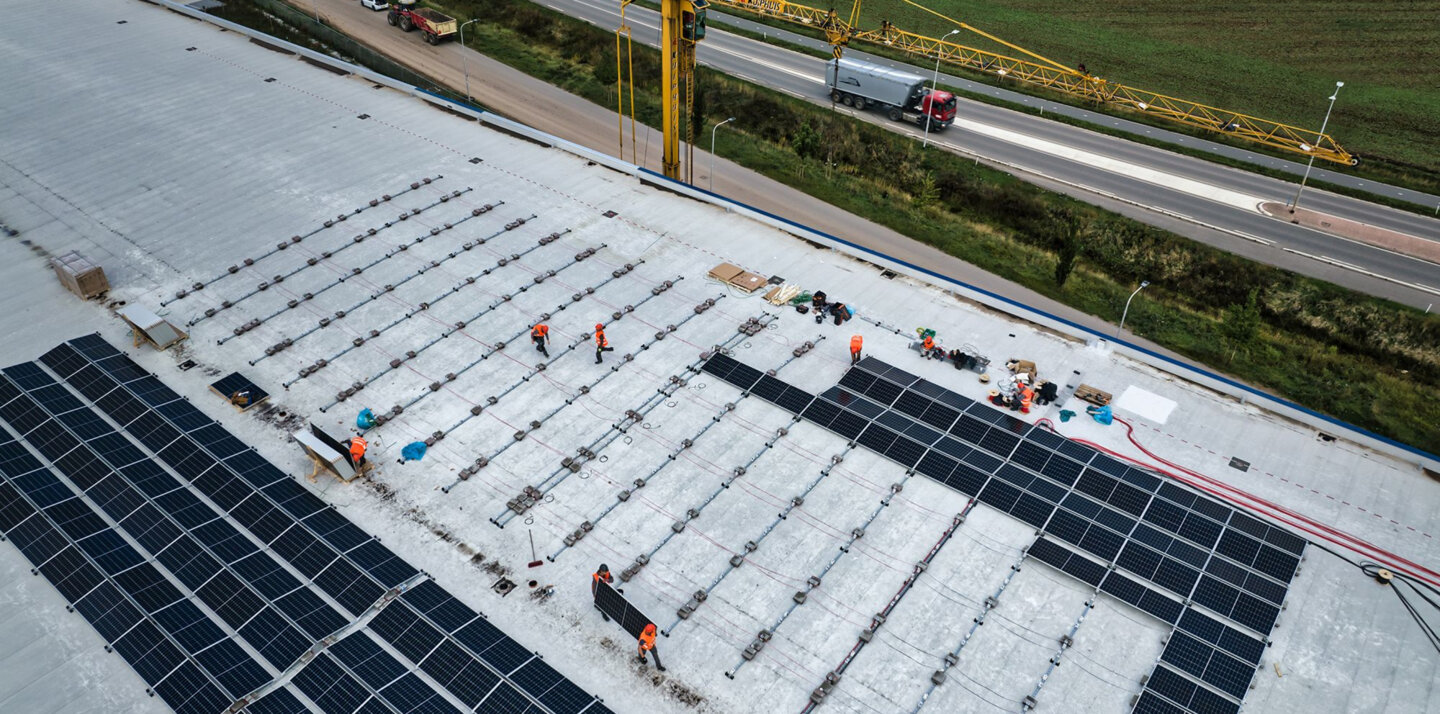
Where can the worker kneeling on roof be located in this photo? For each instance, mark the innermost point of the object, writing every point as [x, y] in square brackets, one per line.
[357, 450]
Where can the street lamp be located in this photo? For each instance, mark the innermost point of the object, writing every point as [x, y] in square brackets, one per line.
[1311, 149]
[316, 8]
[464, 66]
[1143, 284]
[934, 86]
[712, 151]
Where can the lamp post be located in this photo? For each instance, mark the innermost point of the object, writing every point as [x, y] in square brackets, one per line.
[712, 151]
[1143, 284]
[465, 66]
[1323, 124]
[934, 86]
[316, 8]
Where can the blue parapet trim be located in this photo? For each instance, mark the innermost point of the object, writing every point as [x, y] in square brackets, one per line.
[443, 98]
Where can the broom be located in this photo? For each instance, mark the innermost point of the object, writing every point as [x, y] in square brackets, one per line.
[536, 562]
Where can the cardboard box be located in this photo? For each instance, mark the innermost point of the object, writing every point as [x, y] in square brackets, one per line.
[749, 282]
[79, 275]
[724, 272]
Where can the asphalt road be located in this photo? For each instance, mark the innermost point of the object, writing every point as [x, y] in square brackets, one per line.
[1143, 176]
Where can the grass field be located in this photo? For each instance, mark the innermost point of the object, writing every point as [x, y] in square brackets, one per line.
[1278, 60]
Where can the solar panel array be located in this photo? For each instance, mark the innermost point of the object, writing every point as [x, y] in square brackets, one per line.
[1146, 529]
[186, 656]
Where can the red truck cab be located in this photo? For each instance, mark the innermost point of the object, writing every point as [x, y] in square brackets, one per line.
[940, 107]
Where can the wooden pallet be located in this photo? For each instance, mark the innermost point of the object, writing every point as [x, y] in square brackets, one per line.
[1090, 394]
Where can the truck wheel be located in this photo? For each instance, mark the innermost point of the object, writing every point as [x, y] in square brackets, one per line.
[848, 100]
[406, 24]
[390, 17]
[834, 96]
[895, 114]
[432, 38]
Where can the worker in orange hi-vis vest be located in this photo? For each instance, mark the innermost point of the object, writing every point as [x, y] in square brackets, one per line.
[540, 334]
[602, 345]
[357, 450]
[599, 576]
[855, 343]
[647, 644]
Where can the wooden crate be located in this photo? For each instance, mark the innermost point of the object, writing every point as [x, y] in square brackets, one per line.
[80, 275]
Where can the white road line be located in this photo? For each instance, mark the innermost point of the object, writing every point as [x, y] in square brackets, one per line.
[1347, 266]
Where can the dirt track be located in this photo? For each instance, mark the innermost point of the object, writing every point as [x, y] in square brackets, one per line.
[518, 96]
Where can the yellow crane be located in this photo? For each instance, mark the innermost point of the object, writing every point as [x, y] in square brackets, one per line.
[1046, 73]
[682, 25]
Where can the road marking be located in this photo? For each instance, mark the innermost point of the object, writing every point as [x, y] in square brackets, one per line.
[750, 58]
[1347, 266]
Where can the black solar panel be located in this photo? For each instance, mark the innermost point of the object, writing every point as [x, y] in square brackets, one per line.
[768, 388]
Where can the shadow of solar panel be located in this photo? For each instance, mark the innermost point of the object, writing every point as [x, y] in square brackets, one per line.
[350, 587]
[969, 429]
[999, 495]
[795, 399]
[326, 684]
[768, 388]
[905, 452]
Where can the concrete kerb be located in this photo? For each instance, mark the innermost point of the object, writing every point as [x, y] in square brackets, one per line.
[1225, 385]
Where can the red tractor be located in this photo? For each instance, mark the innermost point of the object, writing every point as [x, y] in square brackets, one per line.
[408, 16]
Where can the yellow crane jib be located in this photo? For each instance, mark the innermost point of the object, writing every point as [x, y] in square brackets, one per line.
[1050, 74]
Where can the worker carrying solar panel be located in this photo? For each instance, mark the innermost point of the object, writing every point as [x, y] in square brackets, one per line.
[540, 334]
[647, 645]
[599, 576]
[357, 451]
[602, 345]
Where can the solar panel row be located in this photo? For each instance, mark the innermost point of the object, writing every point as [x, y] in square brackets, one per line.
[1159, 531]
[174, 647]
[1205, 648]
[317, 541]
